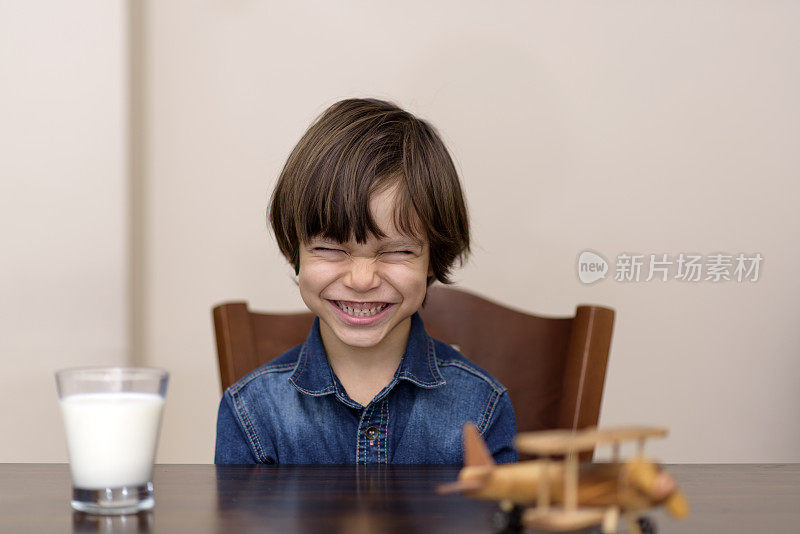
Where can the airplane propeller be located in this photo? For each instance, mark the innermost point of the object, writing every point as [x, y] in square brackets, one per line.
[658, 485]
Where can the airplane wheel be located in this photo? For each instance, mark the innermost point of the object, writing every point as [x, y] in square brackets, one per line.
[511, 521]
[647, 525]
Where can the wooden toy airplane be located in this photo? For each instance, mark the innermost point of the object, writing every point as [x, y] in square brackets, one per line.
[558, 495]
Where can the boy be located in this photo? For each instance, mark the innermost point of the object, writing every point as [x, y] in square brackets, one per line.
[369, 212]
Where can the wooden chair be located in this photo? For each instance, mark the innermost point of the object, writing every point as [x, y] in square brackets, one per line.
[554, 368]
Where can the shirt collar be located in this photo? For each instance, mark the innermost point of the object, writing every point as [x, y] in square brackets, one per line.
[314, 376]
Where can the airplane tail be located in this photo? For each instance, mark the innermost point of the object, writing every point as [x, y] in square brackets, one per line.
[475, 450]
[478, 463]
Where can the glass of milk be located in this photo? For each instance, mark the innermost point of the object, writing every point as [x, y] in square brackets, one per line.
[112, 418]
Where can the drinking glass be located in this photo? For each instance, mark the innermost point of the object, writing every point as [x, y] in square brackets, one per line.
[112, 419]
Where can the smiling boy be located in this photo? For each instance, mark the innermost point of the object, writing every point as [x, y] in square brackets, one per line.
[369, 212]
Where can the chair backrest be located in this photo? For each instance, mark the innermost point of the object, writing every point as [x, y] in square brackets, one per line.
[554, 368]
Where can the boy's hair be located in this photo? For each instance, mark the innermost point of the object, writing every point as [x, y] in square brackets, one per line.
[355, 149]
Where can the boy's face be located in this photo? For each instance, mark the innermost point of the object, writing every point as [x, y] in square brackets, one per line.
[365, 294]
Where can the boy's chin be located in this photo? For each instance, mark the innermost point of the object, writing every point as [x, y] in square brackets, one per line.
[360, 337]
[364, 339]
[361, 342]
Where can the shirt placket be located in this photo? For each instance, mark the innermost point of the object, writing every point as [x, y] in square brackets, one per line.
[373, 434]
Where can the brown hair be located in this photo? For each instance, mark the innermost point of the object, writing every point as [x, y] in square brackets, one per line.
[359, 147]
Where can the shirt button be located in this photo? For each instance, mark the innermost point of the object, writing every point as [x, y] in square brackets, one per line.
[371, 432]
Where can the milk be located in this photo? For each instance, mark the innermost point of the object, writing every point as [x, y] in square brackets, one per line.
[111, 437]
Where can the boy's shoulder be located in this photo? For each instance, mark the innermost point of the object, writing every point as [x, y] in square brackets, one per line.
[276, 369]
[455, 366]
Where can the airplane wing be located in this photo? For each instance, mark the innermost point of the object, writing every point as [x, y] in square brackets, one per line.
[553, 442]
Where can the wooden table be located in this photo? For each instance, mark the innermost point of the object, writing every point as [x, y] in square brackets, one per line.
[763, 499]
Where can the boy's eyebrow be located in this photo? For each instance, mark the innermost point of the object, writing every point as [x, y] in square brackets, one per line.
[325, 241]
[408, 243]
[387, 244]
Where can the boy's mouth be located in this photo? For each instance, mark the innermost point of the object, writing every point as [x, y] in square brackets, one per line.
[360, 309]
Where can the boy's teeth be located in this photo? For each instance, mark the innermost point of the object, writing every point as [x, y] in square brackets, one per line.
[368, 312]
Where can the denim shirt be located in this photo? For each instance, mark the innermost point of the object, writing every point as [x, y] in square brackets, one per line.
[294, 410]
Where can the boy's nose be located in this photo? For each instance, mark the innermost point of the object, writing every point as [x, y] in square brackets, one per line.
[363, 275]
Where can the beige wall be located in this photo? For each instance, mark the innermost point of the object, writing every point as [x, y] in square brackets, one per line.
[63, 209]
[614, 126]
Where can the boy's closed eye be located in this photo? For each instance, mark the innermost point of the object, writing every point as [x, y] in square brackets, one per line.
[328, 252]
[385, 254]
